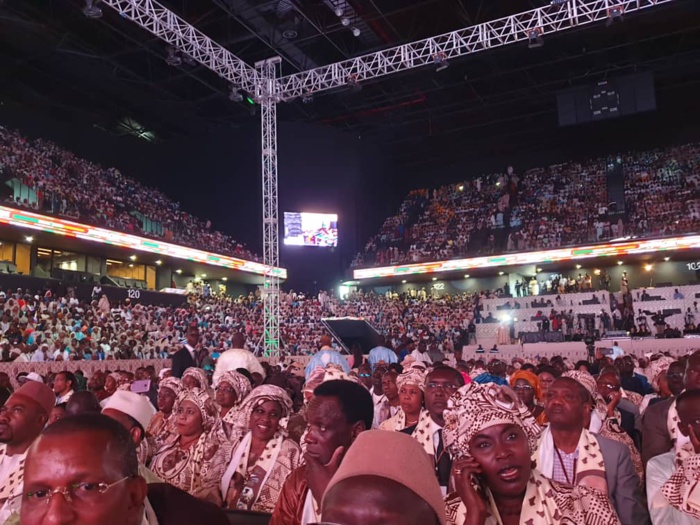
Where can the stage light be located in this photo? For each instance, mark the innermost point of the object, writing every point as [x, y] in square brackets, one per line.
[441, 62]
[466, 276]
[235, 95]
[338, 11]
[596, 271]
[178, 271]
[224, 278]
[614, 14]
[353, 83]
[345, 21]
[460, 187]
[578, 266]
[648, 267]
[159, 262]
[356, 31]
[91, 10]
[173, 59]
[619, 263]
[131, 265]
[307, 98]
[534, 38]
[539, 270]
[667, 259]
[434, 278]
[500, 273]
[250, 101]
[204, 275]
[132, 257]
[403, 282]
[29, 238]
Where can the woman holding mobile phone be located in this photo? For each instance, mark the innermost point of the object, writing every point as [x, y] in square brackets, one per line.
[491, 437]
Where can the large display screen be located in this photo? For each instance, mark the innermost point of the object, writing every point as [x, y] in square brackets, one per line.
[310, 229]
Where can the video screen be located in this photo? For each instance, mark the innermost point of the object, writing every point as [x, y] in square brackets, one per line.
[310, 229]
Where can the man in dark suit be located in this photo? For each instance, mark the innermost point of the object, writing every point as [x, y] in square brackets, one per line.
[186, 357]
[568, 407]
[656, 439]
[440, 384]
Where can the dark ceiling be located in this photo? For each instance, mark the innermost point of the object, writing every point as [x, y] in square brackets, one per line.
[100, 71]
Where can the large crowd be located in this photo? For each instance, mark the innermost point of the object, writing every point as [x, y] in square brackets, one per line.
[397, 438]
[560, 205]
[61, 183]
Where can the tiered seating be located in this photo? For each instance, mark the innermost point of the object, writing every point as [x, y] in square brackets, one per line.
[49, 179]
[561, 205]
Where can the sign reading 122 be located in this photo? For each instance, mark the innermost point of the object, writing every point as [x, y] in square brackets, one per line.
[693, 265]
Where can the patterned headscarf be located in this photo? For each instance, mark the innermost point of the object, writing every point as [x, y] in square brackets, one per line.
[173, 383]
[206, 405]
[412, 376]
[329, 373]
[655, 368]
[198, 375]
[238, 382]
[475, 407]
[257, 397]
[531, 378]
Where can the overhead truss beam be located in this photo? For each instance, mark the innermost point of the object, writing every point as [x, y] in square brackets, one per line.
[165, 24]
[436, 50]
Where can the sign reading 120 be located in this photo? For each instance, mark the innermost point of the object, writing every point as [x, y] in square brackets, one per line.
[693, 265]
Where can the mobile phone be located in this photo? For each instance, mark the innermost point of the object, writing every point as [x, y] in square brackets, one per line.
[141, 386]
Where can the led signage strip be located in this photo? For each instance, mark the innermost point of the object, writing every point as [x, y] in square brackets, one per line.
[617, 249]
[28, 219]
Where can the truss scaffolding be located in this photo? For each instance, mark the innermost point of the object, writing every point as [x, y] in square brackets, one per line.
[269, 89]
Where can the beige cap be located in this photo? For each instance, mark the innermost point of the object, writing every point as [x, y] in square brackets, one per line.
[384, 453]
[132, 404]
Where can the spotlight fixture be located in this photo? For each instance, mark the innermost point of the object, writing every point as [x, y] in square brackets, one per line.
[178, 271]
[345, 21]
[29, 238]
[159, 262]
[648, 267]
[667, 259]
[578, 266]
[440, 60]
[434, 278]
[173, 58]
[224, 279]
[356, 31]
[534, 38]
[91, 10]
[131, 265]
[235, 95]
[353, 83]
[466, 276]
[619, 263]
[338, 11]
[500, 273]
[539, 270]
[132, 257]
[460, 187]
[290, 34]
[596, 271]
[307, 98]
[204, 275]
[614, 15]
[403, 282]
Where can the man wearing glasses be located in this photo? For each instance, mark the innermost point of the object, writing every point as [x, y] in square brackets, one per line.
[440, 384]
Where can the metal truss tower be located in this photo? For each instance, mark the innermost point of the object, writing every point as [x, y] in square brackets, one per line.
[269, 89]
[265, 94]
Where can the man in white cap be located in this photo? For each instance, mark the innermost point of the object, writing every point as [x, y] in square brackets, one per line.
[134, 412]
[33, 376]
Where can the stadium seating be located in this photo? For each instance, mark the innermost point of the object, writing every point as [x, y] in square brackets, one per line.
[44, 177]
[560, 205]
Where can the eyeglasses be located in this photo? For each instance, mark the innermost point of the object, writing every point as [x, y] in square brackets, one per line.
[85, 493]
[675, 374]
[611, 387]
[225, 390]
[522, 387]
[365, 375]
[441, 386]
